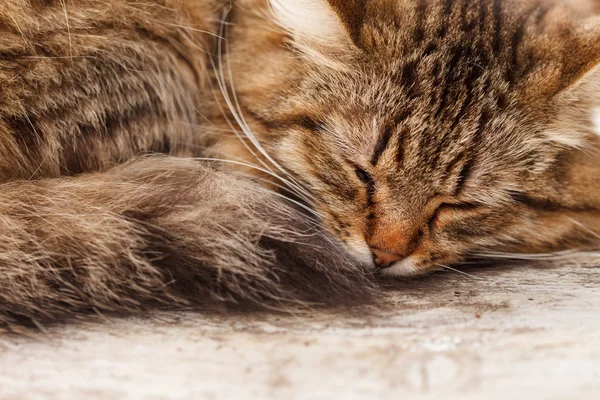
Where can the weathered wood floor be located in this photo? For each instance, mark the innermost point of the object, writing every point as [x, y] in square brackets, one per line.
[513, 332]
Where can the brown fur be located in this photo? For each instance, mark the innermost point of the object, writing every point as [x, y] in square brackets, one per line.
[160, 231]
[430, 130]
[470, 122]
[90, 84]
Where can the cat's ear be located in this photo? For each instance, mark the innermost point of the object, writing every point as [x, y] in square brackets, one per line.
[572, 60]
[320, 28]
[582, 60]
[575, 86]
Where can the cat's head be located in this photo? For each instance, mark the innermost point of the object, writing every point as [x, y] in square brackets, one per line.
[426, 130]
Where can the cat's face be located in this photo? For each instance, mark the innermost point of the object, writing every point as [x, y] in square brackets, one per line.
[426, 131]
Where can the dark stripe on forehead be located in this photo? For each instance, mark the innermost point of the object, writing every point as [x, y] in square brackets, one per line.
[467, 157]
[482, 17]
[401, 146]
[421, 15]
[472, 88]
[445, 17]
[451, 77]
[384, 139]
[498, 18]
[513, 70]
[448, 7]
[450, 170]
[464, 175]
[469, 15]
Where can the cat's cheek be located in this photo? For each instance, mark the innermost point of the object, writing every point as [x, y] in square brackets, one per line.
[358, 249]
[348, 236]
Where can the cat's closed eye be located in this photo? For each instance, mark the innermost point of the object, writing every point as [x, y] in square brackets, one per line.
[363, 175]
[410, 113]
[368, 181]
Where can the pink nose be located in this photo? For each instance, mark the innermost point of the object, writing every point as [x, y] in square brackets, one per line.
[384, 259]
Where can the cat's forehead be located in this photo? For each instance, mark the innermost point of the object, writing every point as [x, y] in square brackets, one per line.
[457, 34]
[518, 44]
[443, 55]
[446, 81]
[400, 24]
[438, 69]
[425, 124]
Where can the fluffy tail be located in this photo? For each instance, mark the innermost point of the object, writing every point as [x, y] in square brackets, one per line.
[160, 230]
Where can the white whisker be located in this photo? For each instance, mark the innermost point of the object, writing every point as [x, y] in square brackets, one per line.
[238, 116]
[189, 28]
[303, 194]
[559, 255]
[459, 271]
[585, 228]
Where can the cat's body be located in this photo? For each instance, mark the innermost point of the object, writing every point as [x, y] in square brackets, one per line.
[419, 131]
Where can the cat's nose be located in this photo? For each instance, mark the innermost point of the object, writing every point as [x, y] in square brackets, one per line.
[384, 259]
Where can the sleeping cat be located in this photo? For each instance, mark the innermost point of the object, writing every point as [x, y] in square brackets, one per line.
[310, 144]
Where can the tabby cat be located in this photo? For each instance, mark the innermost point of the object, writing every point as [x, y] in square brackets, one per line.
[408, 134]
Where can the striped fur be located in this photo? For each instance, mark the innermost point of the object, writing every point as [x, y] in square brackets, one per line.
[450, 128]
[430, 130]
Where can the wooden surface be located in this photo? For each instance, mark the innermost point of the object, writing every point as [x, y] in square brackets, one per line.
[510, 332]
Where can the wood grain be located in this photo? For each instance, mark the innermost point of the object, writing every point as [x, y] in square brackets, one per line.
[520, 331]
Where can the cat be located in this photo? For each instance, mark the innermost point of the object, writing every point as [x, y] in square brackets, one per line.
[310, 146]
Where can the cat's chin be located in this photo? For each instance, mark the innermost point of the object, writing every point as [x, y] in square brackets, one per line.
[408, 267]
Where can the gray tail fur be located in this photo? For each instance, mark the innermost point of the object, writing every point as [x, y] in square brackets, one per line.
[161, 231]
